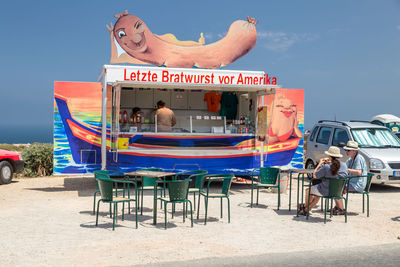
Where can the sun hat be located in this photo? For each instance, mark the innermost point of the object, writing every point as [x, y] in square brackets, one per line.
[334, 151]
[351, 145]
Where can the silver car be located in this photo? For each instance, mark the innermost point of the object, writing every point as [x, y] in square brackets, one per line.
[378, 145]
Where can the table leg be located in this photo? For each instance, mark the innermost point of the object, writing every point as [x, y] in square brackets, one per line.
[155, 203]
[302, 188]
[298, 187]
[290, 189]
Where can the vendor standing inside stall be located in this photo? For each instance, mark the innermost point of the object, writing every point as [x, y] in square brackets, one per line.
[165, 117]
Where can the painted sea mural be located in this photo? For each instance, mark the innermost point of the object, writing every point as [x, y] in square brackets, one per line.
[84, 102]
[285, 121]
[77, 138]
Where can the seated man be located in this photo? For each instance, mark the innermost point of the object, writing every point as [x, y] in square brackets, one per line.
[356, 167]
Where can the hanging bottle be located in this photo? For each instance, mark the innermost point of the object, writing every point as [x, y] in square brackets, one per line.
[125, 116]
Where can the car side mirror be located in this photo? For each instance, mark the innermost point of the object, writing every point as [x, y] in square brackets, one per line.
[341, 144]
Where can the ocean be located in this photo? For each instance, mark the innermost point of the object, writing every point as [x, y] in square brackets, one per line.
[23, 134]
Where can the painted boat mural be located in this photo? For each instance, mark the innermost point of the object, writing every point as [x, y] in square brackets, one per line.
[78, 148]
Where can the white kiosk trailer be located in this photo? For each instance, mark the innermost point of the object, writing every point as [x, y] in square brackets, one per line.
[219, 142]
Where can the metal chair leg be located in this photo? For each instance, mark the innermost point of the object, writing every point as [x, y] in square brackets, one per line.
[94, 202]
[258, 189]
[251, 201]
[326, 207]
[367, 205]
[165, 215]
[198, 207]
[123, 207]
[206, 204]
[97, 213]
[229, 211]
[345, 210]
[136, 211]
[191, 213]
[141, 207]
[184, 211]
[115, 204]
[363, 204]
[322, 203]
[221, 207]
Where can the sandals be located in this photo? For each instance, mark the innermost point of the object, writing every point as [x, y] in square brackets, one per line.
[338, 211]
[302, 210]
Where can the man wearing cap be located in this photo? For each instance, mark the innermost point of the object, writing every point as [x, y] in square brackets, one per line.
[356, 166]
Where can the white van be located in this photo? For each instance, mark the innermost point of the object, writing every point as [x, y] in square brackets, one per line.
[378, 145]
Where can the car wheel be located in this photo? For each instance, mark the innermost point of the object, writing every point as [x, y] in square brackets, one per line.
[6, 172]
[310, 165]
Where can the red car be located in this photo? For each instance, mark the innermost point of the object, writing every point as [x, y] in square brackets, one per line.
[10, 163]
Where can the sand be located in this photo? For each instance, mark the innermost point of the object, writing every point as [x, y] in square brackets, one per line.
[48, 221]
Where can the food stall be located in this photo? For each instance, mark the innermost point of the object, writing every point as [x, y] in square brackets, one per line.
[201, 139]
[224, 121]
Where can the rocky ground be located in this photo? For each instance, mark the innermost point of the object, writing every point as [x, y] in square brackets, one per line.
[48, 221]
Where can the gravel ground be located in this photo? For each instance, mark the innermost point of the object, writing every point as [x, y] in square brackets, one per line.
[48, 221]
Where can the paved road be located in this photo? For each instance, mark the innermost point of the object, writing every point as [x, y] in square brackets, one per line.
[382, 255]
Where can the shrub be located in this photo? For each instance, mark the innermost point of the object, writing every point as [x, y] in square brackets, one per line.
[38, 159]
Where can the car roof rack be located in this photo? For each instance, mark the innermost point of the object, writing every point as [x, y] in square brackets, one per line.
[338, 122]
[360, 121]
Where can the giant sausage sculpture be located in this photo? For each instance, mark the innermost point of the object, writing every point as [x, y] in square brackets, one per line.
[135, 38]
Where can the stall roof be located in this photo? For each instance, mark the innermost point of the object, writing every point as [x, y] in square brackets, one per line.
[176, 78]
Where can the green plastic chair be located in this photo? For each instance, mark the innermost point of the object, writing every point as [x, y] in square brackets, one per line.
[178, 191]
[106, 185]
[365, 192]
[109, 174]
[336, 191]
[196, 177]
[221, 193]
[267, 177]
[148, 184]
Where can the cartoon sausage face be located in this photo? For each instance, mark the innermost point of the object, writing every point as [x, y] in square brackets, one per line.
[139, 42]
[129, 33]
[284, 121]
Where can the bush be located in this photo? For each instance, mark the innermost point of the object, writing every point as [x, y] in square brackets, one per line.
[38, 159]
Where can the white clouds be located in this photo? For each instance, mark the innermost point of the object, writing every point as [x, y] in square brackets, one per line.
[208, 36]
[221, 35]
[281, 41]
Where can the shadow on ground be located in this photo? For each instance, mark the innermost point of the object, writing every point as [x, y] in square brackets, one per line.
[384, 188]
[85, 186]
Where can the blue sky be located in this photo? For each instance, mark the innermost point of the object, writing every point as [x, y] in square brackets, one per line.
[345, 54]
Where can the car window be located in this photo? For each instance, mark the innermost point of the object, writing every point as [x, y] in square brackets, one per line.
[340, 136]
[312, 135]
[375, 137]
[324, 135]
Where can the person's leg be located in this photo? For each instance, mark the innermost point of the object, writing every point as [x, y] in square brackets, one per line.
[310, 203]
[307, 200]
[313, 202]
[339, 203]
